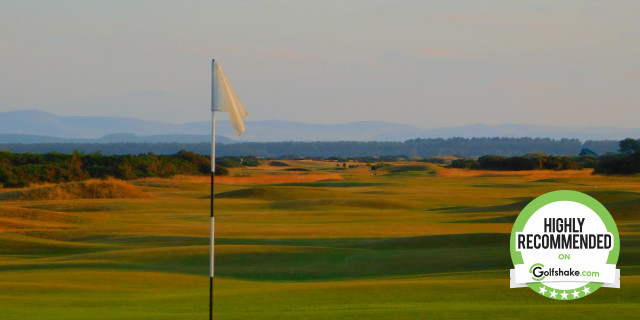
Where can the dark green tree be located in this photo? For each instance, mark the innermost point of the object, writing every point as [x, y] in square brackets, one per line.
[629, 146]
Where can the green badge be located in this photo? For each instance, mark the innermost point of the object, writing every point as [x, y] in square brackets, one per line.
[565, 246]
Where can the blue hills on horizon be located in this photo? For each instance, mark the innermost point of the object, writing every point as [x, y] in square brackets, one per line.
[35, 126]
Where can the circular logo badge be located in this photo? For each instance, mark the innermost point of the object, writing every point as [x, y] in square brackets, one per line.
[565, 246]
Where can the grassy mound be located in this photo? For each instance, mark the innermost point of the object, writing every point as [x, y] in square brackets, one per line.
[317, 204]
[515, 206]
[412, 167]
[411, 170]
[606, 196]
[89, 189]
[278, 164]
[626, 210]
[332, 184]
[276, 193]
[15, 244]
[332, 259]
[18, 219]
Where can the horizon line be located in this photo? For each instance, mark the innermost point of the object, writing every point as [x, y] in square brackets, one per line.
[329, 124]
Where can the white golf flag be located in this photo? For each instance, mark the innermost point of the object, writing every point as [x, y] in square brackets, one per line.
[225, 99]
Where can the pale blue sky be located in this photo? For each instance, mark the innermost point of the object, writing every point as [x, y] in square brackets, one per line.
[425, 63]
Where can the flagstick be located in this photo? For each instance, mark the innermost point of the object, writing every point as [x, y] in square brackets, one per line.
[213, 174]
[213, 230]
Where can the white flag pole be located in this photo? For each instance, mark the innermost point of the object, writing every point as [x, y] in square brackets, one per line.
[222, 99]
[213, 171]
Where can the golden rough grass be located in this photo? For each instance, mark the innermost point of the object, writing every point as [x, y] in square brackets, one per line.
[534, 174]
[13, 218]
[280, 178]
[255, 176]
[89, 189]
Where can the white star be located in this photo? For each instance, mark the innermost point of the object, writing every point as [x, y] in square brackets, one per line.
[564, 294]
[542, 290]
[586, 290]
[553, 293]
[576, 294]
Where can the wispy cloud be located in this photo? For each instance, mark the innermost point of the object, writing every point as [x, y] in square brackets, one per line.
[485, 20]
[418, 55]
[466, 18]
[298, 56]
[435, 53]
[632, 76]
[531, 86]
[283, 54]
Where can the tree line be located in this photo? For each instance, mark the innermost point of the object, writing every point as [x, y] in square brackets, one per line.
[23, 169]
[463, 147]
[526, 162]
[625, 162]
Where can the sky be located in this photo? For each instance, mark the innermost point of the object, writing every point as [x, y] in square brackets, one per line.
[423, 63]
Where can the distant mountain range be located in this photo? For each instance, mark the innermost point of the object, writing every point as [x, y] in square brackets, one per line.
[34, 126]
[6, 138]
